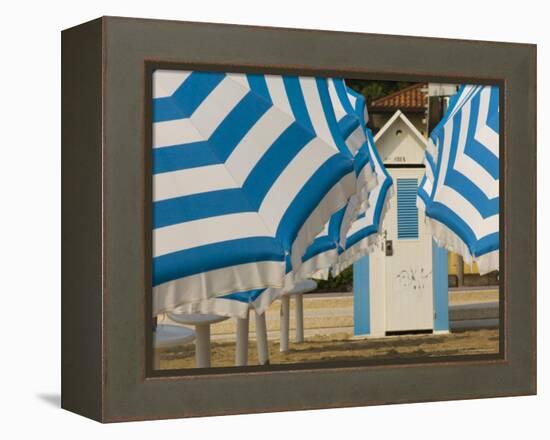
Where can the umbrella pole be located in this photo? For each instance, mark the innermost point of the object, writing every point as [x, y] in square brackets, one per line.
[299, 299]
[241, 348]
[261, 339]
[202, 346]
[285, 322]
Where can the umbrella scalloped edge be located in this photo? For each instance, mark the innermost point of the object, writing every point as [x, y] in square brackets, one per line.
[358, 202]
[448, 239]
[366, 245]
[334, 200]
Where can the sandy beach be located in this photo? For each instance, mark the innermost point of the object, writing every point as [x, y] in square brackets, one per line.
[328, 322]
[342, 346]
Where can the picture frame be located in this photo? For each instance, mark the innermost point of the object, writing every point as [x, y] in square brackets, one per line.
[106, 223]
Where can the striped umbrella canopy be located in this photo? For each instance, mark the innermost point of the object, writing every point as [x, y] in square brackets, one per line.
[349, 110]
[460, 191]
[340, 244]
[247, 169]
[363, 233]
[325, 251]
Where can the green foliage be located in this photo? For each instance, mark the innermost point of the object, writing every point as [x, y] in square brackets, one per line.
[372, 90]
[341, 283]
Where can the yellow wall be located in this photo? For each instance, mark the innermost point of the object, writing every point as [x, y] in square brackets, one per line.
[453, 261]
[471, 269]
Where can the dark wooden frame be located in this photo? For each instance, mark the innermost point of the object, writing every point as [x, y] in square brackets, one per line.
[106, 194]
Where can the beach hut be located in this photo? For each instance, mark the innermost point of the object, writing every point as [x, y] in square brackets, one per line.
[401, 286]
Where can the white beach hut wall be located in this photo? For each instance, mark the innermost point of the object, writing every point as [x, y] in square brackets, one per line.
[401, 287]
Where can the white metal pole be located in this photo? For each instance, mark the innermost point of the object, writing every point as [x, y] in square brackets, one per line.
[285, 322]
[261, 339]
[299, 304]
[202, 345]
[241, 347]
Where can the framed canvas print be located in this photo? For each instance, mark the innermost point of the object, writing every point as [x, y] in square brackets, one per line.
[262, 219]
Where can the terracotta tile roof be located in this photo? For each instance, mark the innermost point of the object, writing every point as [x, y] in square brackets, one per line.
[409, 98]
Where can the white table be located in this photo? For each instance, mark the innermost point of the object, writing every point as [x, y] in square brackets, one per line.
[202, 324]
[167, 335]
[297, 292]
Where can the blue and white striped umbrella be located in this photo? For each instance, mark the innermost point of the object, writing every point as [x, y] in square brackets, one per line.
[460, 191]
[364, 231]
[247, 169]
[340, 245]
[352, 115]
[346, 106]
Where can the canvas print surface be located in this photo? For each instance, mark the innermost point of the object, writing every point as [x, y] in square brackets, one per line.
[312, 220]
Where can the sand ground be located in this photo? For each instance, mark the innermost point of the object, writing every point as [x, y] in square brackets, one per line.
[328, 323]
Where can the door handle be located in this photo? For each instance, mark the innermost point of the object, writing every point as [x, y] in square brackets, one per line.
[389, 248]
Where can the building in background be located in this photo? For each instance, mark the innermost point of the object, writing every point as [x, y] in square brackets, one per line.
[412, 101]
